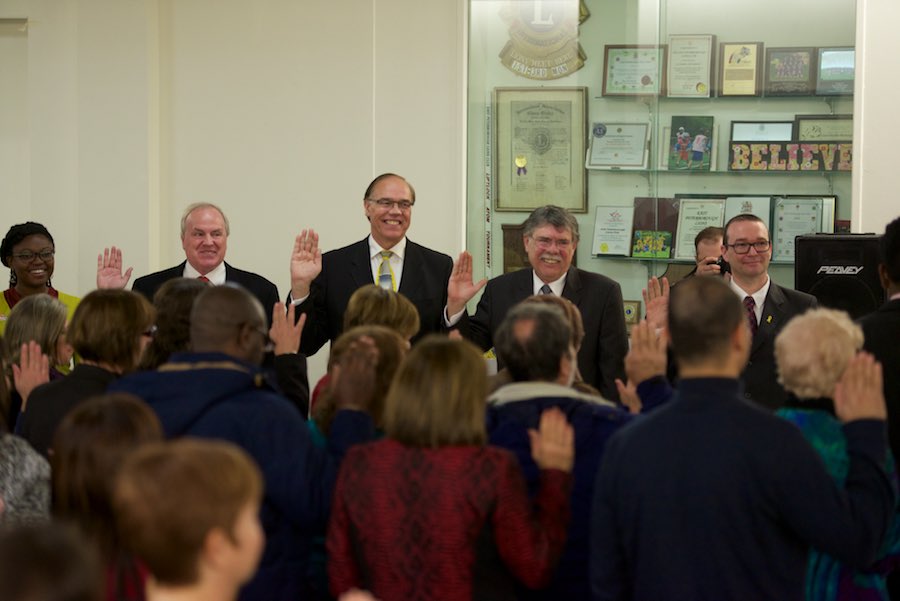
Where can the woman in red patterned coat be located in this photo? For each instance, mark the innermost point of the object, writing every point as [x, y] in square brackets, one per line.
[431, 512]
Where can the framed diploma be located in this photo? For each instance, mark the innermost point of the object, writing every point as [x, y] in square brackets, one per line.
[739, 70]
[695, 215]
[793, 217]
[762, 131]
[829, 128]
[689, 68]
[612, 230]
[539, 148]
[836, 71]
[618, 146]
[790, 71]
[634, 70]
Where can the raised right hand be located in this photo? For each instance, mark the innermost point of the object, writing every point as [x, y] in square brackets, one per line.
[859, 394]
[306, 263]
[461, 288]
[553, 445]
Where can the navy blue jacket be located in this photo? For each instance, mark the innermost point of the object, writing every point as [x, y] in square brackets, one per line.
[212, 395]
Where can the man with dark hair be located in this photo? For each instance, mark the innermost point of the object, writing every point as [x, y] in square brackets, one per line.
[217, 391]
[534, 343]
[882, 329]
[321, 285]
[768, 306]
[708, 248]
[709, 497]
[551, 239]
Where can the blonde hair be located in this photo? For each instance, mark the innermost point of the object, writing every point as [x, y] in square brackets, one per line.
[372, 305]
[38, 317]
[813, 350]
[438, 396]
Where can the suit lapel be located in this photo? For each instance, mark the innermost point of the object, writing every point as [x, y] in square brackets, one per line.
[772, 316]
[360, 264]
[413, 279]
[572, 288]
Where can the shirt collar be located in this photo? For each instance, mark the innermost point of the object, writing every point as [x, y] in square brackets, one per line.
[759, 297]
[375, 249]
[895, 297]
[215, 277]
[556, 286]
[524, 391]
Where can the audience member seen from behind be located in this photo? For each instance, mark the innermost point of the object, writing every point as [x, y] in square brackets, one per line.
[24, 474]
[48, 562]
[411, 511]
[89, 448]
[812, 352]
[714, 498]
[28, 250]
[373, 305]
[109, 331]
[189, 510]
[173, 302]
[41, 319]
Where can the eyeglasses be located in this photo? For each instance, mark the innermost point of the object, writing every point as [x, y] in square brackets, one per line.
[387, 203]
[150, 332]
[544, 242]
[29, 256]
[742, 248]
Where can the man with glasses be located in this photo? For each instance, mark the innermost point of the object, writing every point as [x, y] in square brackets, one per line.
[551, 238]
[321, 285]
[768, 306]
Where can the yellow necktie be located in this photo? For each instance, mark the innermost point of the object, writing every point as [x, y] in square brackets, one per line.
[385, 273]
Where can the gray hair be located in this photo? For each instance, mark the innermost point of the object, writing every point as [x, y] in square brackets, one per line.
[203, 205]
[553, 215]
[532, 352]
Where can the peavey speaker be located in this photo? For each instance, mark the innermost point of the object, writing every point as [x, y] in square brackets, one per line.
[840, 270]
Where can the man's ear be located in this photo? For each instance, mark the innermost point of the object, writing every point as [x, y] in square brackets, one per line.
[216, 546]
[883, 276]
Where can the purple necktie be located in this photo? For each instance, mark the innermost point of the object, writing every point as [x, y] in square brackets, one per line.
[750, 306]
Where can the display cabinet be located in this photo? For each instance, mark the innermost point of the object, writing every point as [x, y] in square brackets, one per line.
[595, 105]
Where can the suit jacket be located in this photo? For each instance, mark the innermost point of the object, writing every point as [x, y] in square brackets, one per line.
[760, 376]
[258, 286]
[602, 354]
[424, 283]
[882, 331]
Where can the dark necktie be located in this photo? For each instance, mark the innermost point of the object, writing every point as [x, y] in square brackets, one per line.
[750, 306]
[545, 289]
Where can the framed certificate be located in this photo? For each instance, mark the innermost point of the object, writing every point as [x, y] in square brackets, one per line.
[762, 131]
[836, 71]
[829, 128]
[634, 70]
[618, 146]
[612, 230]
[539, 148]
[689, 68]
[695, 215]
[739, 70]
[793, 217]
[790, 71]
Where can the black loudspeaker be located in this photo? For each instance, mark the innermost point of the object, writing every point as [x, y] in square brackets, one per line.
[840, 270]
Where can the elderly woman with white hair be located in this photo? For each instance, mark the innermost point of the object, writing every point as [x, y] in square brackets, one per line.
[812, 352]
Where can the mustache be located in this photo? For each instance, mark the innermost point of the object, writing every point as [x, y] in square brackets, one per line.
[552, 256]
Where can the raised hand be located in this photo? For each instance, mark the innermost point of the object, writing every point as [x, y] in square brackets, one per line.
[553, 445]
[859, 394]
[353, 377]
[461, 288]
[656, 299]
[629, 396]
[306, 263]
[32, 370]
[109, 269]
[647, 356]
[285, 333]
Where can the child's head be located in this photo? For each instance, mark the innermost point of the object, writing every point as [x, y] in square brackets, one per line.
[191, 503]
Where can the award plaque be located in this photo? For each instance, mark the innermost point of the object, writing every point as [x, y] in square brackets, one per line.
[837, 67]
[695, 215]
[618, 146]
[689, 69]
[790, 71]
[539, 148]
[634, 70]
[828, 128]
[739, 71]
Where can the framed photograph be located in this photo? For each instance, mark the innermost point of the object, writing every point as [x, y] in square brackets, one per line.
[689, 68]
[836, 71]
[790, 71]
[739, 68]
[651, 244]
[829, 128]
[618, 146]
[762, 131]
[634, 70]
[690, 144]
[539, 148]
[666, 148]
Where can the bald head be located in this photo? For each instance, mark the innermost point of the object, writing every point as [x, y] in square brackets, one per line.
[704, 314]
[228, 319]
[532, 340]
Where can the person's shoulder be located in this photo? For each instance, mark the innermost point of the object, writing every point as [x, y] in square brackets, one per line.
[158, 277]
[233, 273]
[795, 297]
[344, 251]
[428, 253]
[595, 279]
[888, 313]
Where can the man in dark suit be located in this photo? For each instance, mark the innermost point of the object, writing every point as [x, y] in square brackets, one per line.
[882, 330]
[768, 306]
[321, 285]
[551, 238]
[204, 238]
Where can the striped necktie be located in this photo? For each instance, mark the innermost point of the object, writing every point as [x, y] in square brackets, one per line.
[750, 306]
[385, 272]
[545, 289]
